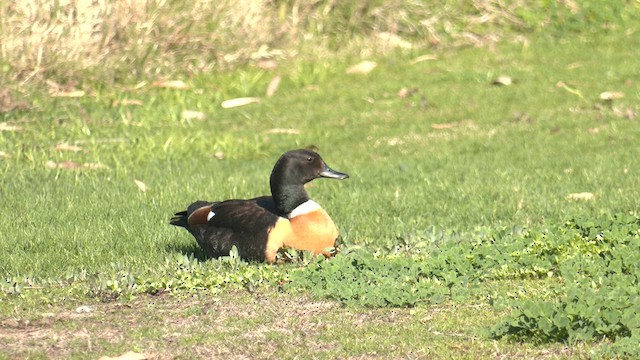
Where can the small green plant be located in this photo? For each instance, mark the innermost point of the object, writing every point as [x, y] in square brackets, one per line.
[598, 298]
[360, 278]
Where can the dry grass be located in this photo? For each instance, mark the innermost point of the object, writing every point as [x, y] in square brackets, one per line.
[106, 40]
[239, 325]
[57, 38]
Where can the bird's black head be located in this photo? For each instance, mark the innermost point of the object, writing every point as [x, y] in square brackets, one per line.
[294, 169]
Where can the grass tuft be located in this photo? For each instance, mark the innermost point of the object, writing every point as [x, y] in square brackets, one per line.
[129, 41]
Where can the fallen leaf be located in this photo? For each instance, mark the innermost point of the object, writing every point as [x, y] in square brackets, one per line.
[68, 147]
[404, 92]
[218, 155]
[611, 95]
[94, 166]
[142, 186]
[394, 40]
[442, 126]
[427, 57]
[283, 131]
[3, 154]
[574, 65]
[455, 124]
[129, 355]
[104, 141]
[586, 196]
[503, 80]
[70, 94]
[593, 130]
[227, 104]
[193, 115]
[363, 67]
[71, 165]
[84, 309]
[273, 85]
[63, 165]
[8, 127]
[67, 90]
[267, 64]
[171, 84]
[125, 102]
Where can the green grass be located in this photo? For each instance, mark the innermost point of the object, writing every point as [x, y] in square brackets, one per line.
[508, 159]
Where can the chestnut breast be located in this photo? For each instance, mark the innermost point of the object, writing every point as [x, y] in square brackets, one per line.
[313, 231]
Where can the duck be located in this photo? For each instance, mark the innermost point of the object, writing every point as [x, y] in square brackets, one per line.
[261, 227]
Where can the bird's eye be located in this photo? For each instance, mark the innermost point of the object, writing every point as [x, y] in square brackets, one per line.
[309, 158]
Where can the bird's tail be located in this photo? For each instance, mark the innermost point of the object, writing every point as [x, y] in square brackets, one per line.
[180, 219]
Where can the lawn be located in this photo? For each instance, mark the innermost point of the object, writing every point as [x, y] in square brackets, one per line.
[463, 234]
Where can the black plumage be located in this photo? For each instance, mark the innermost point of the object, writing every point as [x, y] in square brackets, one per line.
[247, 224]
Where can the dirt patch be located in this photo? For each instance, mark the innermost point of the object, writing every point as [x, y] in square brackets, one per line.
[177, 321]
[243, 325]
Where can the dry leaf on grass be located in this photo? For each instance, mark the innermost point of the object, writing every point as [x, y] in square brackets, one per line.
[63, 165]
[193, 115]
[171, 84]
[231, 103]
[84, 309]
[70, 93]
[455, 124]
[68, 147]
[94, 166]
[104, 141]
[3, 154]
[586, 196]
[218, 155]
[71, 165]
[8, 127]
[503, 80]
[363, 67]
[574, 65]
[126, 102]
[405, 93]
[442, 126]
[129, 355]
[273, 85]
[427, 57]
[267, 64]
[142, 186]
[611, 95]
[283, 131]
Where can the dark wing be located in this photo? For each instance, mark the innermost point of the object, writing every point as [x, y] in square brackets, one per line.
[251, 215]
[241, 223]
[185, 218]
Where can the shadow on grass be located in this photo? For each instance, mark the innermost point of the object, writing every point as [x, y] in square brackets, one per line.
[191, 250]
